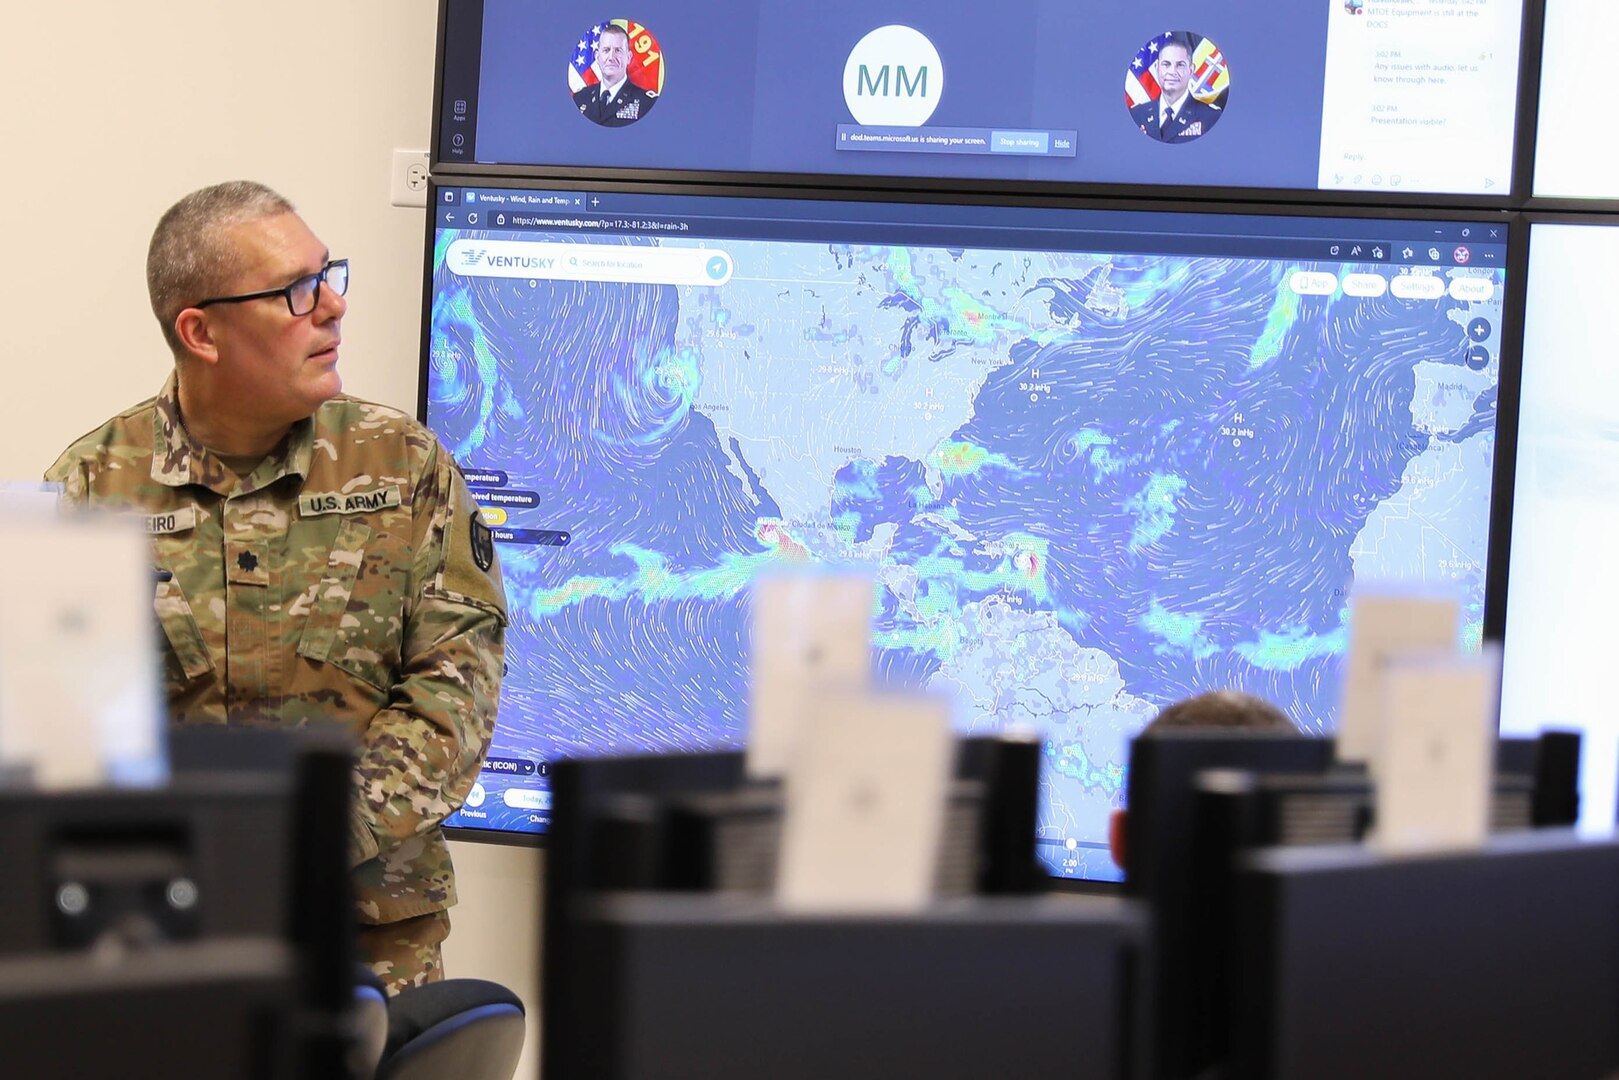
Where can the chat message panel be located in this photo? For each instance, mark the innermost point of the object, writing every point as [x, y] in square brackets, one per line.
[1420, 95]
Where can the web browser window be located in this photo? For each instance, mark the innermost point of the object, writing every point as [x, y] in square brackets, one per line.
[1097, 460]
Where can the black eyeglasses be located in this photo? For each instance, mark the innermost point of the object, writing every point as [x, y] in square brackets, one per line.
[302, 295]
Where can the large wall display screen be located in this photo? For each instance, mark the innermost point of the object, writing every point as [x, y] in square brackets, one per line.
[1098, 460]
[1401, 96]
[1563, 584]
[1573, 161]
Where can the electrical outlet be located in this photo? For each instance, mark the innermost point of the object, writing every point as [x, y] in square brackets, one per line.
[407, 183]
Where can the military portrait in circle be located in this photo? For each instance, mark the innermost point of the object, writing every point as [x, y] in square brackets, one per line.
[1177, 87]
[616, 73]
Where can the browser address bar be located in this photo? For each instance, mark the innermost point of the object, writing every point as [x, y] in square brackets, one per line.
[589, 262]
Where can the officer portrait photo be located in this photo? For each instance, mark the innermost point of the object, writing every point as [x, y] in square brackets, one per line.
[616, 73]
[1177, 87]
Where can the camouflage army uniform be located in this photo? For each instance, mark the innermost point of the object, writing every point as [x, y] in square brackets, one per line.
[347, 578]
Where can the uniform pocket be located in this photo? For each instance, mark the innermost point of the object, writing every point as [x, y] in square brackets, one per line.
[188, 657]
[354, 614]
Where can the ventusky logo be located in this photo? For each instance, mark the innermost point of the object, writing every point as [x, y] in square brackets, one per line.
[472, 256]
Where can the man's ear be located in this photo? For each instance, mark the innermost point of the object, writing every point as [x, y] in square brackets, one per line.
[1118, 833]
[195, 332]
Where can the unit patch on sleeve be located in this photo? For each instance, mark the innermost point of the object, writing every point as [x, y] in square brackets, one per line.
[483, 543]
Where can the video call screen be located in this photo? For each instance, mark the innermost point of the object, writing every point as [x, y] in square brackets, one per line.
[1097, 460]
[1563, 583]
[1402, 96]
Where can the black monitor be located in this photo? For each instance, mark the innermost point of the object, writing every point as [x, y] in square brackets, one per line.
[1494, 965]
[701, 986]
[694, 822]
[1557, 778]
[1535, 786]
[213, 1010]
[611, 817]
[1292, 810]
[314, 763]
[1347, 99]
[1163, 852]
[1236, 810]
[1164, 766]
[200, 929]
[1097, 459]
[202, 859]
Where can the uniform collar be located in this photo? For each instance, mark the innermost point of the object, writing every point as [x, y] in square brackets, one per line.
[178, 459]
[1179, 104]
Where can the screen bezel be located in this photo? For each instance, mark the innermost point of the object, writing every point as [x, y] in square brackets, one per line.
[1530, 37]
[1500, 520]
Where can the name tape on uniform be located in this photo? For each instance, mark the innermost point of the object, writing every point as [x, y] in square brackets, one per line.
[316, 503]
[174, 521]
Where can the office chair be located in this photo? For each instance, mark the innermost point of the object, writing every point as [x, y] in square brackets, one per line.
[466, 1029]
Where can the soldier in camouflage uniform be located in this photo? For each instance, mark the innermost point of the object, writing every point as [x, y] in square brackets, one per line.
[319, 557]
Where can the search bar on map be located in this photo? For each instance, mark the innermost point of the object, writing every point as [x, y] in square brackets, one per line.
[634, 265]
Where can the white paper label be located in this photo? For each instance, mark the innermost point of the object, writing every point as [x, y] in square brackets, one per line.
[865, 804]
[1382, 626]
[811, 634]
[1435, 756]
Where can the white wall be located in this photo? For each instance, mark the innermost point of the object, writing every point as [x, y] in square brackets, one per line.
[112, 111]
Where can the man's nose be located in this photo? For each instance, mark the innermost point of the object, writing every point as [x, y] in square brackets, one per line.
[332, 305]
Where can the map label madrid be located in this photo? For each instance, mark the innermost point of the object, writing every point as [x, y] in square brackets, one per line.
[893, 78]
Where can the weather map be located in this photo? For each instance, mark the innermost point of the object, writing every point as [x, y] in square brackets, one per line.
[1088, 484]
